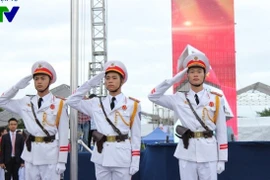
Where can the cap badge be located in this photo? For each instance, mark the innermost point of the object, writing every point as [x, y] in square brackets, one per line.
[39, 66]
[195, 58]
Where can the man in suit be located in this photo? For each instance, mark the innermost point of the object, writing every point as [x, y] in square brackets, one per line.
[12, 146]
[116, 156]
[46, 121]
[201, 152]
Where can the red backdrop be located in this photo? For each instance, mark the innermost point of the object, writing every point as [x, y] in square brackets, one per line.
[208, 25]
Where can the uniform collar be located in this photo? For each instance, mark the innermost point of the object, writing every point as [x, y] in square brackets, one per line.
[200, 93]
[45, 98]
[117, 98]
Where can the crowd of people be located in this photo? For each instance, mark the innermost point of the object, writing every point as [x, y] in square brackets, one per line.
[114, 124]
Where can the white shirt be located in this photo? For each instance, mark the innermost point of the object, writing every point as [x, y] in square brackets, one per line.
[44, 98]
[117, 98]
[10, 134]
[199, 94]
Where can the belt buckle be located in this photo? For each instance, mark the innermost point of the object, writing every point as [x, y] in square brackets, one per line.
[111, 138]
[197, 134]
[39, 139]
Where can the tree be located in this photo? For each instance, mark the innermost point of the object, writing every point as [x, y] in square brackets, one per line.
[20, 124]
[1, 109]
[264, 113]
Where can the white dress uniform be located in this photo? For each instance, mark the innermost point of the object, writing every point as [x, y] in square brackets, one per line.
[43, 159]
[199, 161]
[117, 159]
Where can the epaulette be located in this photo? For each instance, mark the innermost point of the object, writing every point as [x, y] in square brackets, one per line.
[220, 95]
[59, 97]
[134, 99]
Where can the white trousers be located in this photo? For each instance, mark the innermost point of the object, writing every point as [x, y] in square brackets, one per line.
[40, 172]
[112, 173]
[2, 174]
[190, 170]
[21, 173]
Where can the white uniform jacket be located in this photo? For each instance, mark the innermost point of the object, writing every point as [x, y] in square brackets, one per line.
[114, 154]
[199, 149]
[42, 153]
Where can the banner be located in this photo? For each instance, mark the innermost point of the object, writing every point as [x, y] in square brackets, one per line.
[208, 26]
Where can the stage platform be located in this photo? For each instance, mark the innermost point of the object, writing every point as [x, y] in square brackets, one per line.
[247, 161]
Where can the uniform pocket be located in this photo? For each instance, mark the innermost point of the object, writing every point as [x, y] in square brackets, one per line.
[124, 151]
[51, 149]
[211, 140]
[28, 112]
[49, 117]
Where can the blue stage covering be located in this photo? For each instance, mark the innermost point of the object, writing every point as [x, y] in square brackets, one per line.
[157, 136]
[247, 161]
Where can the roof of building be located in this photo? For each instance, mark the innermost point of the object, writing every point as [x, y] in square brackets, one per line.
[263, 88]
[257, 94]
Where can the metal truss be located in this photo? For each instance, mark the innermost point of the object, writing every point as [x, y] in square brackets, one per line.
[99, 42]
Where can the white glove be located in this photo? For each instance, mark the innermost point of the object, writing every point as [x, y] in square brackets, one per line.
[220, 167]
[133, 170]
[135, 163]
[60, 168]
[94, 81]
[177, 77]
[23, 82]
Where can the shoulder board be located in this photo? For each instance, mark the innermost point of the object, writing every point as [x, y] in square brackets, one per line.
[220, 95]
[59, 97]
[134, 99]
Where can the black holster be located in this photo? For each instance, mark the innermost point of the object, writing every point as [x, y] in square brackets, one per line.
[184, 134]
[100, 139]
[26, 136]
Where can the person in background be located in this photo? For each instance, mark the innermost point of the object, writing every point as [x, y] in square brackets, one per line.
[19, 131]
[11, 147]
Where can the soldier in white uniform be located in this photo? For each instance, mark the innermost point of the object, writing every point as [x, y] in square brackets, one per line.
[115, 156]
[205, 152]
[45, 152]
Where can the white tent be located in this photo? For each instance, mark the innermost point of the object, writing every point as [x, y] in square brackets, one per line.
[254, 129]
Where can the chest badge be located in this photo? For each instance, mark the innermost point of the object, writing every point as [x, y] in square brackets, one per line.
[211, 104]
[52, 106]
[124, 107]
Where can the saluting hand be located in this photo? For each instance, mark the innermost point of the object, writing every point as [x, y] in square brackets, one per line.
[96, 80]
[178, 76]
[23, 82]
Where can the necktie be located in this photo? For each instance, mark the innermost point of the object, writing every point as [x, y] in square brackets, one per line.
[39, 102]
[197, 99]
[112, 103]
[13, 144]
